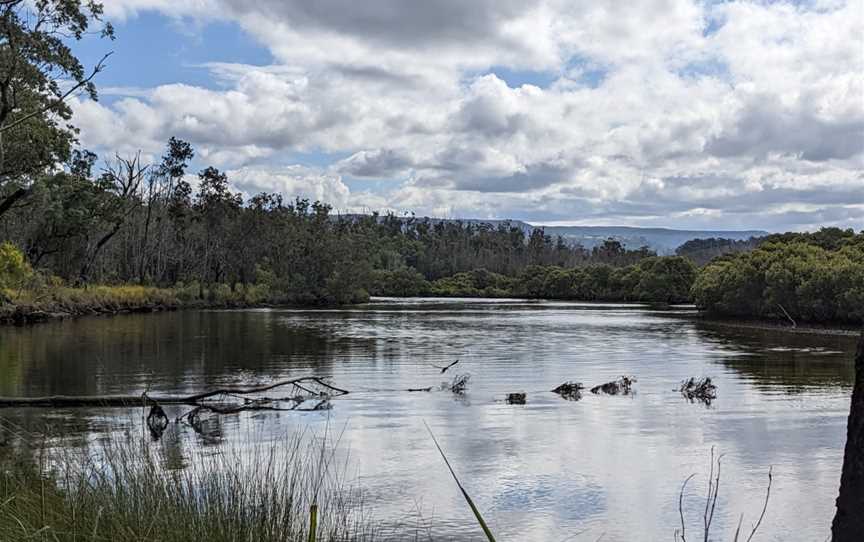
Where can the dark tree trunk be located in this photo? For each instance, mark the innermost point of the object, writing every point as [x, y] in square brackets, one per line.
[848, 525]
[84, 276]
[12, 199]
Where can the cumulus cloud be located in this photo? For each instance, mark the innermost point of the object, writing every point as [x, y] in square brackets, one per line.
[291, 182]
[689, 112]
[378, 163]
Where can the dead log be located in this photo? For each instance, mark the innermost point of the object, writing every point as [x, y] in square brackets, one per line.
[622, 386]
[304, 387]
[516, 398]
[571, 391]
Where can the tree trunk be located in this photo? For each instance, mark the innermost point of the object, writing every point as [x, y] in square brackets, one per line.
[848, 525]
[84, 276]
[12, 199]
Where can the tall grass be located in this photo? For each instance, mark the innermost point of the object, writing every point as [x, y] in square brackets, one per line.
[123, 491]
[30, 305]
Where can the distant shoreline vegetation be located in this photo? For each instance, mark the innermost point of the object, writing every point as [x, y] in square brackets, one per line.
[268, 253]
[79, 236]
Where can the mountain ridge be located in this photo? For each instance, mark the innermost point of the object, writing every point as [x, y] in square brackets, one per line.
[661, 240]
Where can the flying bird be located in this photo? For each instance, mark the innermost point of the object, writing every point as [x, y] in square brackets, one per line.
[444, 369]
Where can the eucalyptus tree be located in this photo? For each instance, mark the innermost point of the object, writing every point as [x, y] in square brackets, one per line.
[38, 74]
[157, 193]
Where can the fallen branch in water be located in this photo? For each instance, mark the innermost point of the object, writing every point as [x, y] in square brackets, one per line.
[572, 391]
[300, 387]
[458, 385]
[516, 399]
[702, 390]
[786, 314]
[622, 386]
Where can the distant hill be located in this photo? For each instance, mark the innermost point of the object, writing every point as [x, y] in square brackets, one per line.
[660, 240]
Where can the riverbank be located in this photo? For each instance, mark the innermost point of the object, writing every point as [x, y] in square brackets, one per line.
[57, 303]
[807, 328]
[62, 303]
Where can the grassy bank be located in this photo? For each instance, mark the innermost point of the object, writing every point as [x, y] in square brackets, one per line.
[55, 302]
[126, 491]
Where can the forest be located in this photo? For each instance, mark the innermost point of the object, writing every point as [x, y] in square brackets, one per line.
[126, 230]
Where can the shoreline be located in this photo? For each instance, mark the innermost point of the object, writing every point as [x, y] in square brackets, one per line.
[32, 314]
[809, 328]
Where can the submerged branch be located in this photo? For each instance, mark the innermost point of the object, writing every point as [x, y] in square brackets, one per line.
[71, 401]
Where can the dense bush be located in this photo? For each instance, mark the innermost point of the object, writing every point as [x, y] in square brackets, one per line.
[813, 277]
[653, 279]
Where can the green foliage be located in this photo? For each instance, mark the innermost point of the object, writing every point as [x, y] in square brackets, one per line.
[476, 283]
[666, 279]
[14, 269]
[402, 282]
[701, 251]
[653, 279]
[38, 68]
[814, 277]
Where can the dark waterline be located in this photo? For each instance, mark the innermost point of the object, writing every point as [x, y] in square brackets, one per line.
[543, 471]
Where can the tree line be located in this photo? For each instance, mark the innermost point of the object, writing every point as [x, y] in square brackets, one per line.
[68, 219]
[144, 223]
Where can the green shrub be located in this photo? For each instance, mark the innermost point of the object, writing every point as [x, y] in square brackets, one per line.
[15, 272]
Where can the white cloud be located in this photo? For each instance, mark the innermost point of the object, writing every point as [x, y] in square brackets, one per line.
[291, 182]
[702, 112]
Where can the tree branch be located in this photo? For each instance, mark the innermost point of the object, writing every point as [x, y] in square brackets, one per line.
[55, 103]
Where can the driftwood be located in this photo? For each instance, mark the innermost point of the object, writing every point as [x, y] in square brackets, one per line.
[302, 388]
[786, 314]
[220, 401]
[572, 391]
[701, 389]
[622, 386]
[458, 385]
[516, 398]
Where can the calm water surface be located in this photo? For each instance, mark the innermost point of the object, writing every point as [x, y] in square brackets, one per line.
[550, 470]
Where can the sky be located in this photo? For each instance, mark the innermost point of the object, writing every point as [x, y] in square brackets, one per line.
[675, 113]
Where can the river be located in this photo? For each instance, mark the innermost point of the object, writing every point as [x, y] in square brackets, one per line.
[551, 469]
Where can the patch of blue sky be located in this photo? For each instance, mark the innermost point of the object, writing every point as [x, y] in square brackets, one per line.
[152, 49]
[516, 78]
[712, 26]
[712, 67]
[586, 72]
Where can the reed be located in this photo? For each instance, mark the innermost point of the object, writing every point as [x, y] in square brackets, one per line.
[124, 490]
[488, 532]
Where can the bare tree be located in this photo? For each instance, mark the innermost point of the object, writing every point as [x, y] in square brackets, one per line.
[122, 180]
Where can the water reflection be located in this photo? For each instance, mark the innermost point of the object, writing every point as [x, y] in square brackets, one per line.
[793, 362]
[545, 470]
